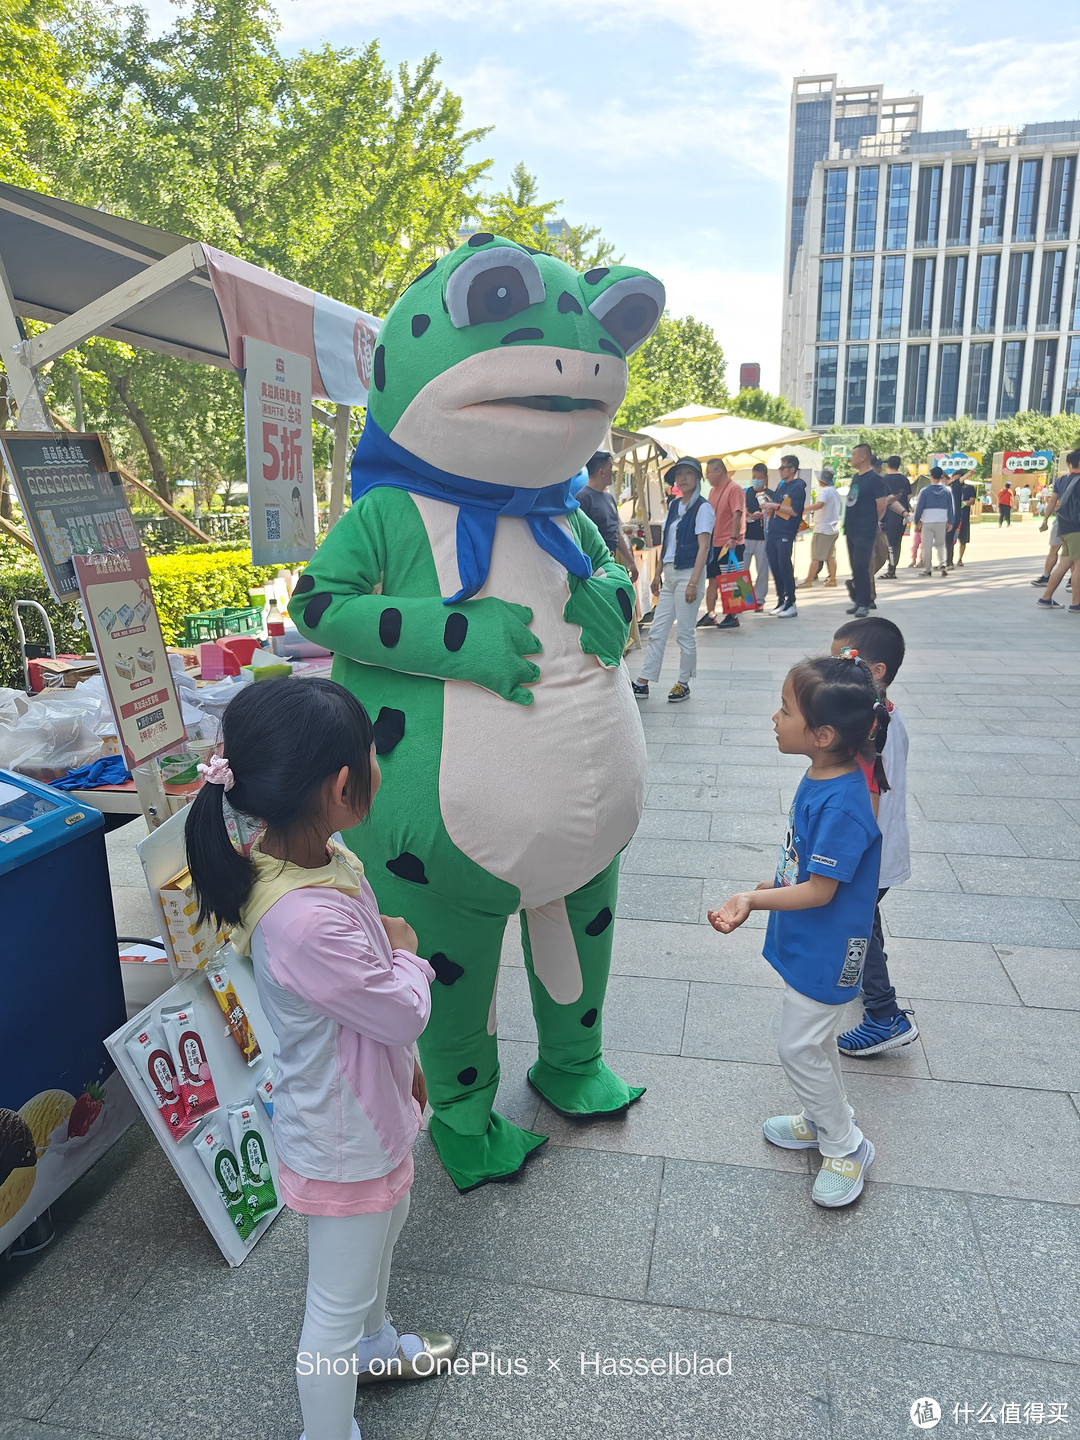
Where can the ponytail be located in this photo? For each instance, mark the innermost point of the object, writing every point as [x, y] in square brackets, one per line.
[877, 735]
[840, 691]
[222, 876]
[281, 739]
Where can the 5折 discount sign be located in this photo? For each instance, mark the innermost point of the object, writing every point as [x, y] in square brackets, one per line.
[280, 474]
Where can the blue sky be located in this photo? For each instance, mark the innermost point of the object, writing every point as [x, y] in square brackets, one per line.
[667, 124]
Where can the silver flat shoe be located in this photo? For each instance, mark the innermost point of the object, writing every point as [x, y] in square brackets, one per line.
[438, 1351]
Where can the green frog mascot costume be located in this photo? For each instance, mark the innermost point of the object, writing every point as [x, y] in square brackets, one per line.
[475, 611]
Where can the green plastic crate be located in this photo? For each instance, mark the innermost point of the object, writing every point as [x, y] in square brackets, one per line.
[213, 624]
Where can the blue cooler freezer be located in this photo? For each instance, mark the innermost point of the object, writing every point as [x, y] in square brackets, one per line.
[62, 1103]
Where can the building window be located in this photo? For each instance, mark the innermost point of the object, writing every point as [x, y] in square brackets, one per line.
[888, 362]
[860, 299]
[928, 207]
[921, 308]
[954, 285]
[1012, 368]
[918, 369]
[1060, 201]
[1018, 289]
[1043, 365]
[947, 391]
[812, 116]
[980, 358]
[1026, 209]
[1074, 323]
[855, 386]
[899, 200]
[830, 287]
[986, 291]
[891, 315]
[1070, 394]
[832, 212]
[866, 191]
[961, 200]
[1051, 286]
[825, 385]
[992, 214]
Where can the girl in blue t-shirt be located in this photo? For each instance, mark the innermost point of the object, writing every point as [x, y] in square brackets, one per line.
[821, 905]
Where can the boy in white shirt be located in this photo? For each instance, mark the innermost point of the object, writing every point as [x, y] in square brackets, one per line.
[884, 1026]
[827, 508]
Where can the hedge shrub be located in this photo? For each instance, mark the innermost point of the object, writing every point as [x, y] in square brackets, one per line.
[202, 580]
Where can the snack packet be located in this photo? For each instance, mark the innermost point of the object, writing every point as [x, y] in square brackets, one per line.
[255, 1176]
[212, 1146]
[264, 1088]
[155, 1065]
[235, 1015]
[192, 1067]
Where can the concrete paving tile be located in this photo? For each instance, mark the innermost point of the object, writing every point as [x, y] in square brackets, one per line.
[691, 1110]
[930, 871]
[874, 1382]
[731, 1022]
[690, 952]
[751, 1242]
[135, 913]
[629, 999]
[997, 875]
[125, 867]
[1002, 1044]
[995, 919]
[952, 970]
[576, 1220]
[1002, 1146]
[762, 799]
[697, 859]
[1043, 976]
[1021, 785]
[960, 837]
[660, 897]
[692, 754]
[515, 1097]
[1056, 840]
[60, 1303]
[660, 772]
[14, 1429]
[748, 827]
[1033, 1259]
[776, 1386]
[674, 825]
[985, 810]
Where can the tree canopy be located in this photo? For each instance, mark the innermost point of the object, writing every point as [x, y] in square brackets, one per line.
[760, 405]
[682, 363]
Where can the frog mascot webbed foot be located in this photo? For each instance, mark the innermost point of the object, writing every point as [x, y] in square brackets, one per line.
[476, 612]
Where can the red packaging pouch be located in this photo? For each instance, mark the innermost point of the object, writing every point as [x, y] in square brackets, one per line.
[189, 1060]
[154, 1063]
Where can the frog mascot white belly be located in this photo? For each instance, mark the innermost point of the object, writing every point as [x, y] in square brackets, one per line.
[479, 617]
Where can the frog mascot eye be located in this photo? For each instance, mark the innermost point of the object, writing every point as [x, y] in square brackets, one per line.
[492, 286]
[630, 310]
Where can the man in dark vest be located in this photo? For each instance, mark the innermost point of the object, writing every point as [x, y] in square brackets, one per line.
[684, 549]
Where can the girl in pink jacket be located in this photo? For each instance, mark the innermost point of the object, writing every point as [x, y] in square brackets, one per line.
[347, 996]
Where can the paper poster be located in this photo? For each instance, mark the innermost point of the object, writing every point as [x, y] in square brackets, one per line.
[958, 460]
[123, 619]
[281, 479]
[1025, 462]
[72, 499]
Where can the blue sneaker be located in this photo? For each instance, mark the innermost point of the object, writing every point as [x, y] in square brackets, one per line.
[875, 1037]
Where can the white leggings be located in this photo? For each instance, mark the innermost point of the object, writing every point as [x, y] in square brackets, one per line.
[806, 1041]
[348, 1275]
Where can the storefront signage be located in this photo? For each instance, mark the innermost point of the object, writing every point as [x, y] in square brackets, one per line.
[958, 461]
[1026, 462]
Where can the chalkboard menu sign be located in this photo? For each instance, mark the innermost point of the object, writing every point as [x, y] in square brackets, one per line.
[72, 498]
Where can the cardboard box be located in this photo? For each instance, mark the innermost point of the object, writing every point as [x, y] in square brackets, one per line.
[192, 943]
[64, 670]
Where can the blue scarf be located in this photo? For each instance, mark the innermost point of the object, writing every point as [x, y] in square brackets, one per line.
[381, 461]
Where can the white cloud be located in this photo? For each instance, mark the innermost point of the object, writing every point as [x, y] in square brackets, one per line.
[744, 310]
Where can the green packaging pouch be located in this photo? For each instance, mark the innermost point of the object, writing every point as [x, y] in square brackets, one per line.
[260, 1197]
[222, 1166]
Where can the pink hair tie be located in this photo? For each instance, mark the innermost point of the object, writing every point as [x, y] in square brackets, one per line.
[218, 772]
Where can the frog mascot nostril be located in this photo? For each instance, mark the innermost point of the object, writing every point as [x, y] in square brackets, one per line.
[478, 615]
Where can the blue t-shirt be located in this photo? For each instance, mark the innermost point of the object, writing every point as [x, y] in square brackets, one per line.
[794, 492]
[831, 831]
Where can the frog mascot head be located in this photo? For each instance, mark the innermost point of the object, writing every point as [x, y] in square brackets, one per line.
[476, 612]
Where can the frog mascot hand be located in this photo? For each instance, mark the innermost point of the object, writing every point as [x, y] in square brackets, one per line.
[477, 614]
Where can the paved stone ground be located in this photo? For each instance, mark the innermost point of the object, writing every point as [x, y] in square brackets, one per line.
[678, 1229]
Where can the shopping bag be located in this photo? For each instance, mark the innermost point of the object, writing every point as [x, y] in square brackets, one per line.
[736, 591]
[880, 553]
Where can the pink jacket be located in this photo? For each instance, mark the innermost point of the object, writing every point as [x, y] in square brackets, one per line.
[345, 1011]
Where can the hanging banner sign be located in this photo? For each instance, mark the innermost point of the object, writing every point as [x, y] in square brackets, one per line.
[1024, 462]
[123, 619]
[280, 474]
[958, 460]
[72, 499]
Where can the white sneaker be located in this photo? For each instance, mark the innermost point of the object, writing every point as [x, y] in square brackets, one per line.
[788, 614]
[791, 1132]
[840, 1180]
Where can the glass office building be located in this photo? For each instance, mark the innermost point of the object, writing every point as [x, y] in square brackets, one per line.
[928, 274]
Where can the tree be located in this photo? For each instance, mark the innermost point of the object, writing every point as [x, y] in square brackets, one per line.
[682, 363]
[760, 405]
[35, 101]
[519, 214]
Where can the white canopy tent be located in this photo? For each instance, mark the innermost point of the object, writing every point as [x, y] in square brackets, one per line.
[707, 434]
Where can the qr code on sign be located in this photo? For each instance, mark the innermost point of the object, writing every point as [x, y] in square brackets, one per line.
[273, 523]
